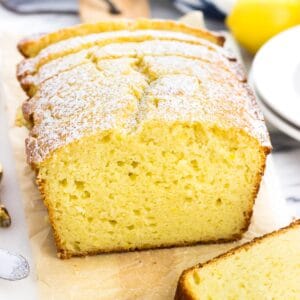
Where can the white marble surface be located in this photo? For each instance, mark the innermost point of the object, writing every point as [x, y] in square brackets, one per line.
[15, 237]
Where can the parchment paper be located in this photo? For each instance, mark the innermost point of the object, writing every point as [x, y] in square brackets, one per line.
[136, 275]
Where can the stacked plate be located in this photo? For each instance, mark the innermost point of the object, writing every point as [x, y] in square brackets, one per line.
[275, 76]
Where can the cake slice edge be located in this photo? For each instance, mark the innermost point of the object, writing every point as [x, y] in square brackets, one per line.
[184, 293]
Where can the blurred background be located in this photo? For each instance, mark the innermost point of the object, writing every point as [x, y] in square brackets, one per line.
[267, 38]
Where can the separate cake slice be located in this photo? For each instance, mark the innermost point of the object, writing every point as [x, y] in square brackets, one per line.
[142, 136]
[266, 268]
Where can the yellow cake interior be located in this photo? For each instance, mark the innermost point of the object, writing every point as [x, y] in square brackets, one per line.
[167, 184]
[270, 269]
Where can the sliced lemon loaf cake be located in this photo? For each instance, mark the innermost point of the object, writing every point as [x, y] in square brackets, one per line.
[143, 134]
[266, 268]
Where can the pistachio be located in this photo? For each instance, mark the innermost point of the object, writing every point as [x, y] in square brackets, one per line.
[5, 219]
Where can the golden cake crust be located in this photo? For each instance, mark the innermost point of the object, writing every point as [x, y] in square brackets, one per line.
[212, 77]
[182, 291]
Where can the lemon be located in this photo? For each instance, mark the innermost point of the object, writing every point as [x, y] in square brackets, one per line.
[253, 22]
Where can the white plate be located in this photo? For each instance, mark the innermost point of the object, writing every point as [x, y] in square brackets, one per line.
[276, 75]
[278, 122]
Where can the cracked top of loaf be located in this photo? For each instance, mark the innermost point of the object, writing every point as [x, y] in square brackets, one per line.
[120, 75]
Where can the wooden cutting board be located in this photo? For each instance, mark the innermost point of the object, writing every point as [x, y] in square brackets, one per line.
[137, 275]
[97, 10]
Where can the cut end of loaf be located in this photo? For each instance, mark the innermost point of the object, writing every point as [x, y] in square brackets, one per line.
[166, 185]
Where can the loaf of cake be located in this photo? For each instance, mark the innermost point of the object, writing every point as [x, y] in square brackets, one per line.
[143, 134]
[266, 268]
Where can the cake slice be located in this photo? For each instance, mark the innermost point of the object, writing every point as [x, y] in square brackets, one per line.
[144, 134]
[266, 268]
